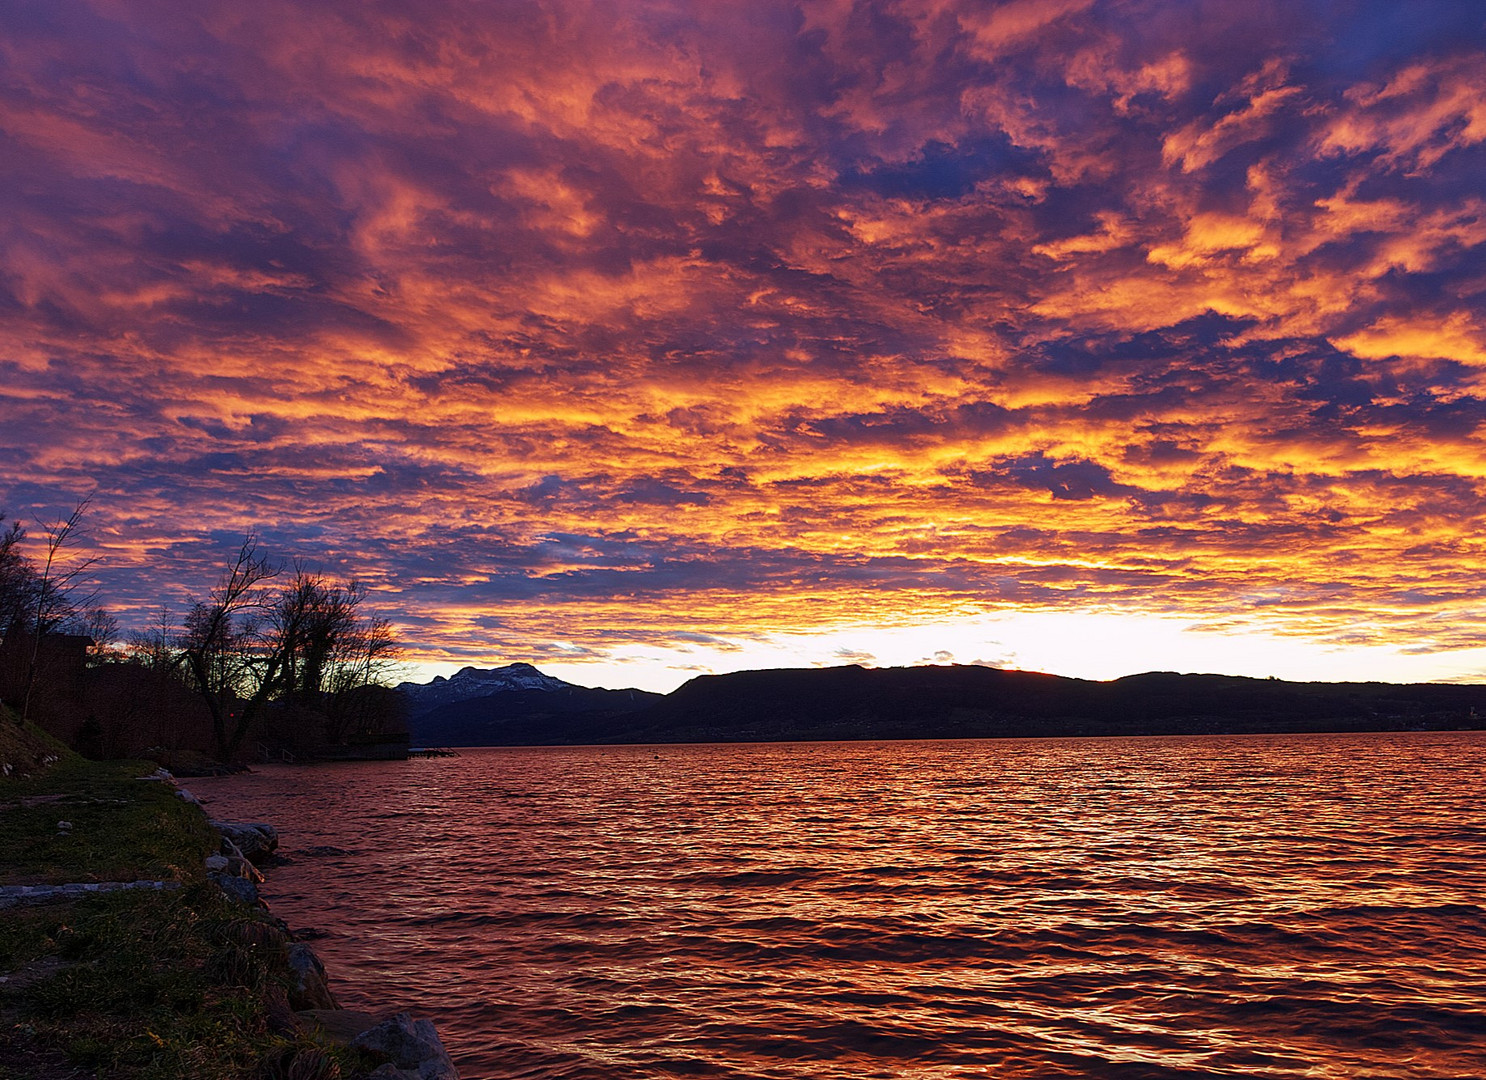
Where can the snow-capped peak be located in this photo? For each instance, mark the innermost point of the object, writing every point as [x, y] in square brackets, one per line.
[473, 682]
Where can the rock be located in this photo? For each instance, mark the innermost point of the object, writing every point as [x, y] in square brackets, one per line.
[254, 839]
[17, 895]
[244, 869]
[310, 989]
[413, 1046]
[236, 888]
[233, 865]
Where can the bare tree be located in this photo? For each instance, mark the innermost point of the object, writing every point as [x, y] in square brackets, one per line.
[364, 658]
[329, 649]
[306, 648]
[223, 649]
[97, 622]
[310, 619]
[54, 602]
[17, 581]
[155, 647]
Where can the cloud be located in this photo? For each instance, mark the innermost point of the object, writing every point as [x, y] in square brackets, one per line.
[611, 323]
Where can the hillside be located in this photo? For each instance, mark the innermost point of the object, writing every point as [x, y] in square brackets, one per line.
[512, 705]
[976, 702]
[942, 702]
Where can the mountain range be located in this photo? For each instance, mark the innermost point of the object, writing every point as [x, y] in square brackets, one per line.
[515, 705]
[520, 705]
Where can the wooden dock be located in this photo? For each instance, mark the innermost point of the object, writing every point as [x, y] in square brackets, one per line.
[432, 751]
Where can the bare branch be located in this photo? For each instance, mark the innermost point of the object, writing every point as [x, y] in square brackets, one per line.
[54, 601]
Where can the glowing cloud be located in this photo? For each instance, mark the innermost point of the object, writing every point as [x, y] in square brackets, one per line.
[659, 334]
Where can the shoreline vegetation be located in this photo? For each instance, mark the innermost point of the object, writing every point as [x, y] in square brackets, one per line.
[273, 660]
[133, 943]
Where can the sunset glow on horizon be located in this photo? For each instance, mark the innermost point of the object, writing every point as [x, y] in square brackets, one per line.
[639, 340]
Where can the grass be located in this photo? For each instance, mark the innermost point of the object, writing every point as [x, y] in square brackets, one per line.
[137, 985]
[25, 748]
[119, 828]
[154, 986]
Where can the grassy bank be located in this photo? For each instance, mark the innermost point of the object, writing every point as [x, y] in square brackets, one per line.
[135, 984]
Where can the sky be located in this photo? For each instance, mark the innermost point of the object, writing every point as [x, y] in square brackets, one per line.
[639, 339]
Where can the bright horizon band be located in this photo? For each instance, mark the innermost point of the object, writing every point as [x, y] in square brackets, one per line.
[1088, 336]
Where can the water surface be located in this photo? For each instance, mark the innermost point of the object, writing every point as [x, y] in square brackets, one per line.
[1261, 906]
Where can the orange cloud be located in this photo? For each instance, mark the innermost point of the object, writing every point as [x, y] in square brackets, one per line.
[574, 327]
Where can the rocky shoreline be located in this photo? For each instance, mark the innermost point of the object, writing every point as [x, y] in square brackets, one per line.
[411, 1048]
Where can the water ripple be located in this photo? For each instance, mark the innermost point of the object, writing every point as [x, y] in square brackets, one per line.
[1272, 907]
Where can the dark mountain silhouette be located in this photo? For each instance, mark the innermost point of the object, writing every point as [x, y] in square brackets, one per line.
[943, 702]
[515, 705]
[978, 702]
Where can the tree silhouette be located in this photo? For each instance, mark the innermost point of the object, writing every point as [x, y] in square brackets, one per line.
[306, 646]
[222, 647]
[56, 582]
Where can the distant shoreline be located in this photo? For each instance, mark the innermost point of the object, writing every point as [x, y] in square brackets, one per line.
[950, 702]
[946, 739]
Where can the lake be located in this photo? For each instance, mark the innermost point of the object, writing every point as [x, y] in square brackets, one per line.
[1257, 906]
